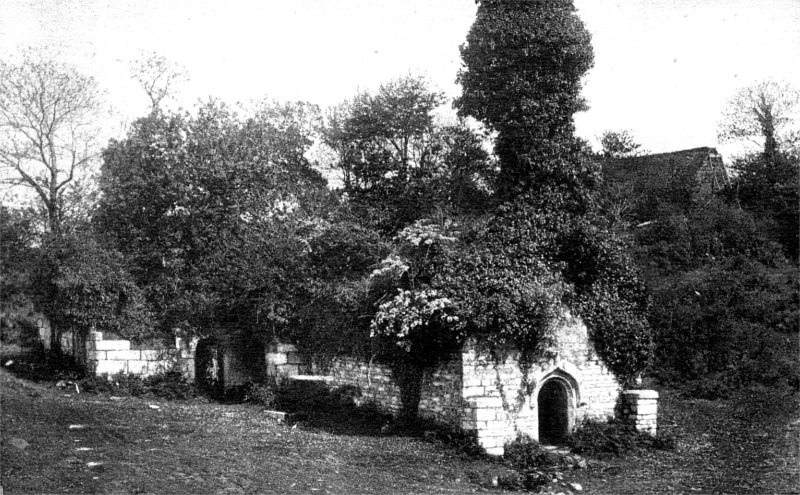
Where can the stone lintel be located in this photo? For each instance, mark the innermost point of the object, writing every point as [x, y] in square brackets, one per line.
[640, 394]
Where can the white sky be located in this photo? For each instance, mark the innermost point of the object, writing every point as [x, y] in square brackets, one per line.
[663, 68]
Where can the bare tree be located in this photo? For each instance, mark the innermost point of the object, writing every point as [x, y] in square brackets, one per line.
[158, 77]
[48, 129]
[765, 113]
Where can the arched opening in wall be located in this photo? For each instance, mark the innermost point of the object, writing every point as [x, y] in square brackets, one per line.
[553, 406]
[209, 369]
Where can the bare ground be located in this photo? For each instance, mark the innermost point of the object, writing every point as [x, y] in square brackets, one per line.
[744, 445]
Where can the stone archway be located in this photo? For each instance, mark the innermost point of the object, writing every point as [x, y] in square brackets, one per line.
[555, 410]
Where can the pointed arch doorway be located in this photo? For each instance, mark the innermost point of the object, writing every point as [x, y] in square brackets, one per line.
[553, 405]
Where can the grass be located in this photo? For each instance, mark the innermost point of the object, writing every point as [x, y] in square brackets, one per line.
[201, 447]
[744, 444]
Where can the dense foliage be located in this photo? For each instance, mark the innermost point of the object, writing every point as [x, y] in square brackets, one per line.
[770, 190]
[399, 163]
[523, 63]
[214, 211]
[80, 286]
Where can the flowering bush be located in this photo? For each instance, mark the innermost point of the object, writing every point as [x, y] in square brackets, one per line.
[390, 269]
[409, 313]
[425, 233]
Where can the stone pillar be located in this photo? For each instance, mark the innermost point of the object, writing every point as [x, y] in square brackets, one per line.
[640, 408]
[283, 361]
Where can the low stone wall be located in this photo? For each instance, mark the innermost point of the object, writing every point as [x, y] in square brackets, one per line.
[440, 394]
[116, 356]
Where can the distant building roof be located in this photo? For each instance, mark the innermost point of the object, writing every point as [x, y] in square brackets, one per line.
[678, 177]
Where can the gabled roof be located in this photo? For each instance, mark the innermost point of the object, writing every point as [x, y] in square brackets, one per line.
[676, 177]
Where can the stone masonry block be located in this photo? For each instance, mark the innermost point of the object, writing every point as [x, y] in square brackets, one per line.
[277, 358]
[123, 355]
[158, 367]
[485, 414]
[288, 369]
[646, 408]
[95, 336]
[496, 451]
[474, 392]
[294, 358]
[112, 345]
[640, 394]
[282, 347]
[152, 354]
[138, 367]
[96, 355]
[111, 367]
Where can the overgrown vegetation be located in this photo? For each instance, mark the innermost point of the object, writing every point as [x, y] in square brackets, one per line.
[215, 224]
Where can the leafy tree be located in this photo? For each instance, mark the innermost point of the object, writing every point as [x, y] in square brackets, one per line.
[211, 211]
[523, 63]
[82, 286]
[16, 255]
[398, 162]
[619, 144]
[770, 189]
[48, 113]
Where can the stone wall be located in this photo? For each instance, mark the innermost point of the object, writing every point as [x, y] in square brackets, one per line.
[440, 394]
[116, 356]
[501, 398]
[495, 400]
[284, 360]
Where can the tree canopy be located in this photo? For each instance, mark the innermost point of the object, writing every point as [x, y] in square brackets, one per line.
[398, 161]
[523, 64]
[207, 208]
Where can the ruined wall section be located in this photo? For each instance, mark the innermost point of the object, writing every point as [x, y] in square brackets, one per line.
[116, 356]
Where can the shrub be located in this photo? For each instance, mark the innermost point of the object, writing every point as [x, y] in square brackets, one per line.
[525, 454]
[711, 388]
[726, 320]
[121, 384]
[615, 437]
[260, 394]
[170, 385]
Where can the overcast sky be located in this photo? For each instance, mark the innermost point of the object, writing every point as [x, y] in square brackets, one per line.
[663, 68]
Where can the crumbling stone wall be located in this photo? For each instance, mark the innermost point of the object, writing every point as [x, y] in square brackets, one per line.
[116, 356]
